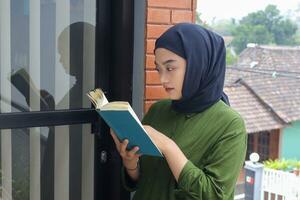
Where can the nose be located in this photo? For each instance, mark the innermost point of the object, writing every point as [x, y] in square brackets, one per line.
[163, 78]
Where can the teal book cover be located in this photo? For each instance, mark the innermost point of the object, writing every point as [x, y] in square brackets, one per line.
[126, 126]
[120, 116]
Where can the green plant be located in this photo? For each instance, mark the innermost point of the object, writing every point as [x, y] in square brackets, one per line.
[282, 164]
[295, 164]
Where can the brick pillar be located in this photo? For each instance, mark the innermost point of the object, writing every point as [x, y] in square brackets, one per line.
[161, 14]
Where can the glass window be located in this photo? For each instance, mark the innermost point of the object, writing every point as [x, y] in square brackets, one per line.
[47, 54]
[47, 62]
[259, 143]
[47, 163]
[264, 145]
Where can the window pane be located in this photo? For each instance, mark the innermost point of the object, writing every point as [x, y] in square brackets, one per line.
[47, 163]
[47, 54]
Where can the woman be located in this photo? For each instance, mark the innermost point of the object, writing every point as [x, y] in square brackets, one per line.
[202, 139]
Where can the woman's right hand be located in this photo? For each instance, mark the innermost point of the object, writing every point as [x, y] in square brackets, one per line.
[130, 158]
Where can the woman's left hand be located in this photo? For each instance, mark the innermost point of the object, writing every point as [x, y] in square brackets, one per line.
[161, 141]
[174, 156]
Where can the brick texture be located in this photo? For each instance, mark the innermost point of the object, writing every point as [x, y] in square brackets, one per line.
[155, 30]
[150, 61]
[158, 15]
[161, 15]
[155, 92]
[178, 4]
[181, 16]
[150, 46]
[152, 78]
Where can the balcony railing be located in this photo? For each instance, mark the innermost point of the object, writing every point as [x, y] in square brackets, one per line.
[280, 185]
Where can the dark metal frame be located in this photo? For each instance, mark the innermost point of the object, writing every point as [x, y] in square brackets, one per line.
[117, 64]
[47, 118]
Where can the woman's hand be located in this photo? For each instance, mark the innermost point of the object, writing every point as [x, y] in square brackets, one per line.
[161, 141]
[130, 158]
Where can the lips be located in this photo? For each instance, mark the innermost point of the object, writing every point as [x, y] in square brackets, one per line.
[169, 89]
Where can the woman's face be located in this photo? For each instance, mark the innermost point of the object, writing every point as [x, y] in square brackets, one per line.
[171, 69]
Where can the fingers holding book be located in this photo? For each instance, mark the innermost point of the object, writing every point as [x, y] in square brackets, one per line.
[130, 157]
[128, 154]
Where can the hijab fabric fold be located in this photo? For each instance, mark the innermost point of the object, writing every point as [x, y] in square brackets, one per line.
[205, 54]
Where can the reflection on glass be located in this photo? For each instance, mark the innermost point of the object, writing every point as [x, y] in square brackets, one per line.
[74, 34]
[47, 62]
[51, 64]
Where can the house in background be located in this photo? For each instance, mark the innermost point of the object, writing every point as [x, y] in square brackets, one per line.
[264, 87]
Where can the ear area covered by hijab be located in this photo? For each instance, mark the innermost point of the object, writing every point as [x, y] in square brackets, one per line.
[205, 54]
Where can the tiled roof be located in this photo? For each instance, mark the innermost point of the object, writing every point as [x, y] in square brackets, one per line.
[256, 116]
[280, 93]
[271, 78]
[271, 58]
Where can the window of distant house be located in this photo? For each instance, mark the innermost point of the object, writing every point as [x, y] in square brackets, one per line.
[250, 147]
[259, 143]
[264, 145]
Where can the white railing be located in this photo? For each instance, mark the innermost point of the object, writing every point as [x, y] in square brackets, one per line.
[280, 185]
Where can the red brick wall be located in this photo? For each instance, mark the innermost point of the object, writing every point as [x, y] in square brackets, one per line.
[160, 15]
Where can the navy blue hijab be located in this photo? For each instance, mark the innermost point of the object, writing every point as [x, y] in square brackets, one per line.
[204, 52]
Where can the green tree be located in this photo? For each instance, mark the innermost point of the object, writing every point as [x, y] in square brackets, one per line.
[224, 27]
[230, 57]
[245, 34]
[284, 32]
[264, 27]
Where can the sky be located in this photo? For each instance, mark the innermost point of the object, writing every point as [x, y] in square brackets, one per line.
[226, 9]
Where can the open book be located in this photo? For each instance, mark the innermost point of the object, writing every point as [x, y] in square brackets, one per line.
[122, 119]
[26, 86]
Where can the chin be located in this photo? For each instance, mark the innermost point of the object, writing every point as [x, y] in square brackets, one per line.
[174, 98]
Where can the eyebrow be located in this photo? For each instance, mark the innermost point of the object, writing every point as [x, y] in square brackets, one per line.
[166, 62]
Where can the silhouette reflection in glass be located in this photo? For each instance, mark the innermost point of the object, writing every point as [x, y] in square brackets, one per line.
[76, 48]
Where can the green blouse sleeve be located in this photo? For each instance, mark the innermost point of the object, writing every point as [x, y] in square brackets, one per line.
[216, 180]
[128, 183]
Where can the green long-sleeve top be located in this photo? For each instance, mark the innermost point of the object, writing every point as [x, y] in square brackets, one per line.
[214, 143]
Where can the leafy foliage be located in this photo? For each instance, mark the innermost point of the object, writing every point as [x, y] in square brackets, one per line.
[230, 57]
[224, 27]
[285, 165]
[264, 27]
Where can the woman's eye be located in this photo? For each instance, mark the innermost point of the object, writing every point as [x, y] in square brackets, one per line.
[169, 69]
